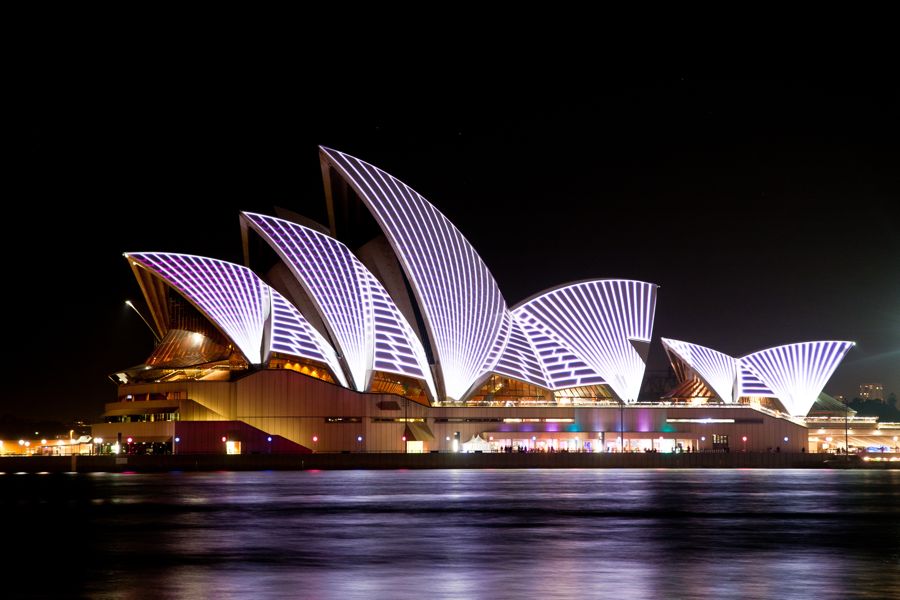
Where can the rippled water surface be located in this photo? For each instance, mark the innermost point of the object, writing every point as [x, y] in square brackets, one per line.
[455, 534]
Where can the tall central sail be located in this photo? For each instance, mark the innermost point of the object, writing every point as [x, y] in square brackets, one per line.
[460, 301]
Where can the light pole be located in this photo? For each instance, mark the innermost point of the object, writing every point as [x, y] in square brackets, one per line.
[153, 331]
[846, 430]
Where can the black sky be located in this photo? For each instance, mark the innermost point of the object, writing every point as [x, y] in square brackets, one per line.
[766, 210]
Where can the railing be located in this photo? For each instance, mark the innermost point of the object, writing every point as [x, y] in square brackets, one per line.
[842, 420]
[582, 403]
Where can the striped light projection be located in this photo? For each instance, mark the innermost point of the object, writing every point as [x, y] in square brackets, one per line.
[561, 367]
[796, 373]
[597, 323]
[292, 334]
[750, 385]
[461, 304]
[717, 370]
[360, 316]
[520, 359]
[231, 296]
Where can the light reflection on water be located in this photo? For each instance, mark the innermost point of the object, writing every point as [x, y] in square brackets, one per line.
[462, 533]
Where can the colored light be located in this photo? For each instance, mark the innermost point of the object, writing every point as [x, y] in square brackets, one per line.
[269, 438]
[21, 442]
[717, 370]
[292, 334]
[43, 442]
[359, 438]
[232, 296]
[224, 438]
[702, 438]
[744, 438]
[461, 303]
[403, 438]
[794, 373]
[599, 330]
[785, 438]
[315, 438]
[177, 440]
[797, 373]
[129, 439]
[366, 324]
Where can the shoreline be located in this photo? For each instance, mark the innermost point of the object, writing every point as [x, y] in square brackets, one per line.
[384, 461]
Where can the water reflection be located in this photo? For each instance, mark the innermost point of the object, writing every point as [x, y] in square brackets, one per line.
[461, 533]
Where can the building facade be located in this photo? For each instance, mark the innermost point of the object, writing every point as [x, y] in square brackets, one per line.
[385, 331]
[871, 391]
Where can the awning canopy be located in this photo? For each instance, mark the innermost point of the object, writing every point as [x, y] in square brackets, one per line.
[477, 443]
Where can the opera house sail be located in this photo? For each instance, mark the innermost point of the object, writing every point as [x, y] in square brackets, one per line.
[390, 303]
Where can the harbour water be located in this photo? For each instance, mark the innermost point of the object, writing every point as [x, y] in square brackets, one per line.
[589, 533]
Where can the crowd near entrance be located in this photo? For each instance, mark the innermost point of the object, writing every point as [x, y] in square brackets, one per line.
[591, 442]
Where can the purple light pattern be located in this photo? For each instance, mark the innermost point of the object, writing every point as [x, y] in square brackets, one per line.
[594, 322]
[461, 304]
[292, 334]
[233, 297]
[797, 373]
[750, 385]
[716, 369]
[520, 359]
[360, 316]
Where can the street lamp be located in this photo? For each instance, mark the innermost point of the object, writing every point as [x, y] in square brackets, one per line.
[846, 430]
[153, 331]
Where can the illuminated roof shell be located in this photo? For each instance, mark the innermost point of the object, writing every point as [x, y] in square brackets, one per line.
[232, 297]
[797, 373]
[461, 304]
[292, 334]
[360, 316]
[717, 370]
[595, 327]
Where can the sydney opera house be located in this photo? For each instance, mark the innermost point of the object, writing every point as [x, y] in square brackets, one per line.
[386, 332]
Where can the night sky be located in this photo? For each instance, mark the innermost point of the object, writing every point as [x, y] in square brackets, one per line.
[767, 211]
